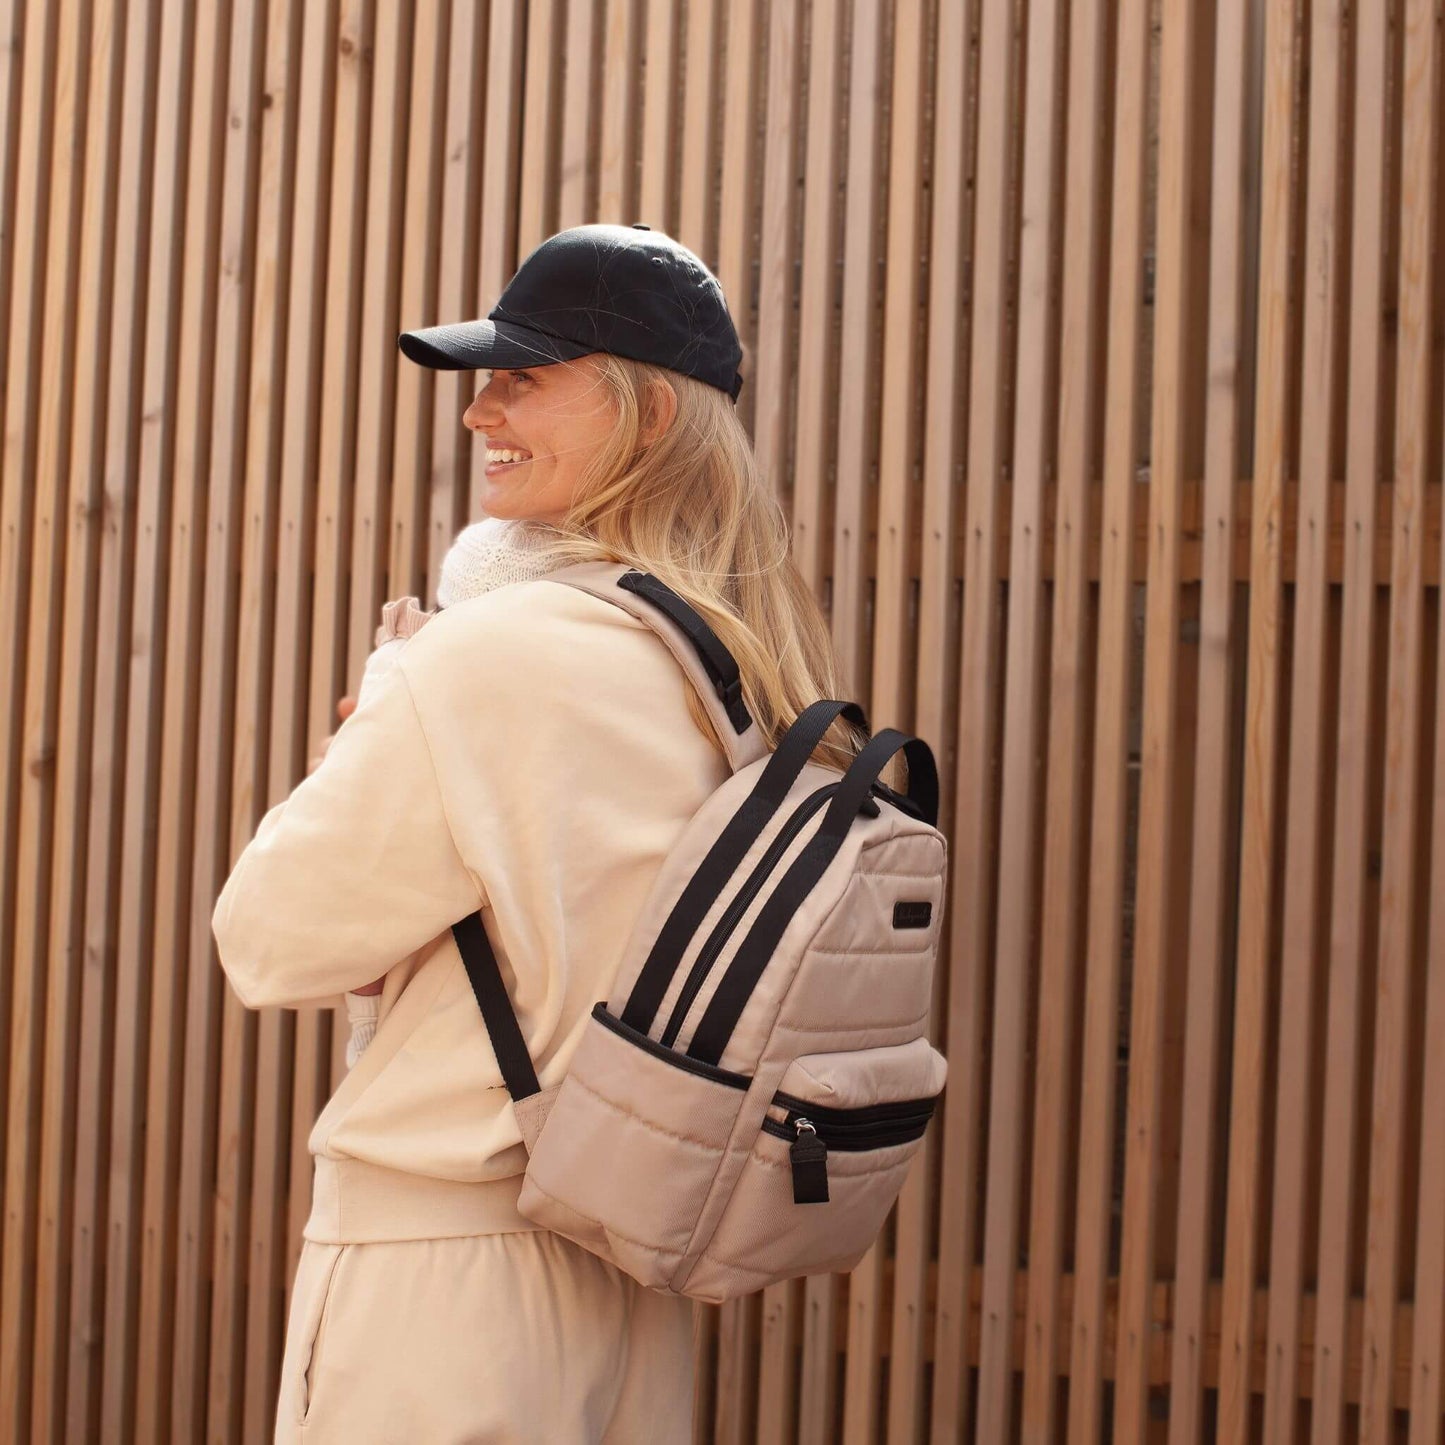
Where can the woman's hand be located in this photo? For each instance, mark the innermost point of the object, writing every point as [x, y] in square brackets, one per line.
[344, 709]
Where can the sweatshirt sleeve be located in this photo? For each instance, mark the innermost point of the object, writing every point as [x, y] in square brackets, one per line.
[354, 872]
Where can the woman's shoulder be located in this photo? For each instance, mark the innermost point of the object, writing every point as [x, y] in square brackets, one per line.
[517, 631]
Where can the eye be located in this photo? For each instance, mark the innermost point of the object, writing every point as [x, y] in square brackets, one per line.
[524, 376]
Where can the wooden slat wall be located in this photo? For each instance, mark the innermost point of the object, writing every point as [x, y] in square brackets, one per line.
[1093, 353]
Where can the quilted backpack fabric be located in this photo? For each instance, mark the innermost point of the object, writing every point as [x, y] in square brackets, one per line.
[745, 1107]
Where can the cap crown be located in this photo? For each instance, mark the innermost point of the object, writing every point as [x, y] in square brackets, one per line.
[630, 291]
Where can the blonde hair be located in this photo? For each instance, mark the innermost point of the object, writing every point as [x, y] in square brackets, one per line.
[690, 507]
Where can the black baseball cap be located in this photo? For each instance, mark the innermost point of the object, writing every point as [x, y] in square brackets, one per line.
[627, 290]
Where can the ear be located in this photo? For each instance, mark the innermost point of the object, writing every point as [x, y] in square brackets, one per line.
[661, 408]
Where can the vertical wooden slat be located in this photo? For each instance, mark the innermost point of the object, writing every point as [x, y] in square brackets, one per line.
[501, 159]
[307, 605]
[1215, 764]
[889, 703]
[577, 202]
[36, 442]
[1260, 821]
[817, 373]
[857, 396]
[1427, 1346]
[893, 696]
[65, 1098]
[459, 223]
[739, 1326]
[259, 1108]
[769, 380]
[12, 18]
[246, 322]
[1399, 879]
[736, 217]
[704, 1355]
[218, 313]
[19, 178]
[617, 196]
[657, 203]
[779, 1338]
[135, 444]
[183, 262]
[541, 124]
[867, 191]
[901, 413]
[1157, 829]
[1319, 362]
[974, 808]
[1063, 844]
[1107, 841]
[815, 397]
[916, 1329]
[1353, 784]
[22, 243]
[773, 369]
[1018, 899]
[406, 547]
[697, 208]
[378, 356]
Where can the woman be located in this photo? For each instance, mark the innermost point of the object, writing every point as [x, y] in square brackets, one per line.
[535, 752]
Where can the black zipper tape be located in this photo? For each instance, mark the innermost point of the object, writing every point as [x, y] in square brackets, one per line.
[707, 955]
[855, 1140]
[669, 1056]
[900, 1111]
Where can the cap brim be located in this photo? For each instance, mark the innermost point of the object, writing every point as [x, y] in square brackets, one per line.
[485, 345]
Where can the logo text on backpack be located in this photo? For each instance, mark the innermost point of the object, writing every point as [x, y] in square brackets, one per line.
[912, 915]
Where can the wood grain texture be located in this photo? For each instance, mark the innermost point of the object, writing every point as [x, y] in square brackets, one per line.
[70, 1254]
[1159, 810]
[1260, 825]
[46, 332]
[1308, 796]
[1079, 428]
[1216, 761]
[1416, 397]
[1107, 829]
[1350, 885]
[1025, 661]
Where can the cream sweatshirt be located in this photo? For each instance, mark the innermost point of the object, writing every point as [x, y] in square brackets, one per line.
[531, 754]
[488, 554]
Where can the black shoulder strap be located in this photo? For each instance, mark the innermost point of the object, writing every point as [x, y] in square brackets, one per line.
[719, 664]
[497, 1012]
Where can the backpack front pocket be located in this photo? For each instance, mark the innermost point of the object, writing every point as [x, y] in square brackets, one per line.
[829, 1160]
[630, 1148]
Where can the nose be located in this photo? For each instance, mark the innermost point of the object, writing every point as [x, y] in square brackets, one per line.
[484, 413]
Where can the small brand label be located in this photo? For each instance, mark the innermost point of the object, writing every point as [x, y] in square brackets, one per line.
[912, 915]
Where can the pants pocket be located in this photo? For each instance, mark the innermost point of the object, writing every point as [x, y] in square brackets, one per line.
[311, 1301]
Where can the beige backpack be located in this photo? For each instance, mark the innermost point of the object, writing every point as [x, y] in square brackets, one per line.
[745, 1106]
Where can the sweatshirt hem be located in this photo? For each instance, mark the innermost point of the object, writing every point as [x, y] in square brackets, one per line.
[354, 1202]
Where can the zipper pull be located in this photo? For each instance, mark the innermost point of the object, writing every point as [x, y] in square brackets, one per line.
[809, 1156]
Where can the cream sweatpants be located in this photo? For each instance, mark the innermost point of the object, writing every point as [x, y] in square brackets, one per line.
[487, 1338]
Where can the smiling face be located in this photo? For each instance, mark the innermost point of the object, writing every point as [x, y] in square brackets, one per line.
[542, 427]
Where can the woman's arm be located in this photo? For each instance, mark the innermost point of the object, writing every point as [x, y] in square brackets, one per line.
[356, 870]
[344, 709]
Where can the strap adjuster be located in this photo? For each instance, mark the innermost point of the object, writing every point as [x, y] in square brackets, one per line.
[731, 694]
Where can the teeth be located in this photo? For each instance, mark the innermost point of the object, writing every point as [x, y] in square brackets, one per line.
[504, 454]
